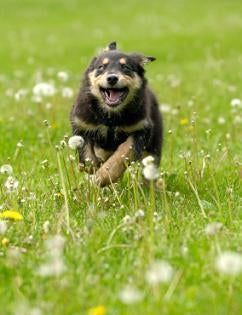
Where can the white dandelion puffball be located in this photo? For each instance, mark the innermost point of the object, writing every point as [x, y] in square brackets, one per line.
[130, 295]
[53, 267]
[6, 169]
[63, 76]
[150, 172]
[229, 263]
[75, 142]
[3, 227]
[11, 184]
[159, 272]
[44, 89]
[67, 92]
[235, 102]
[213, 228]
[148, 160]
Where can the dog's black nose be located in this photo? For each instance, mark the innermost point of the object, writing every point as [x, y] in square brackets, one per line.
[112, 79]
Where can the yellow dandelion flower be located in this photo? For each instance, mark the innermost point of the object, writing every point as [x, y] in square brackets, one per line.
[98, 310]
[11, 214]
[184, 121]
[5, 241]
[54, 125]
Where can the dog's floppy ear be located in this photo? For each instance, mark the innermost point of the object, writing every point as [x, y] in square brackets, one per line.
[111, 46]
[142, 60]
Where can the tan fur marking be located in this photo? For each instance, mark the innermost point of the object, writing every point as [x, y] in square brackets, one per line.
[105, 61]
[138, 126]
[115, 166]
[122, 61]
[101, 153]
[82, 125]
[124, 81]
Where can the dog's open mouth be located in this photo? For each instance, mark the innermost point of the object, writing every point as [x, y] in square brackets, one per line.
[114, 97]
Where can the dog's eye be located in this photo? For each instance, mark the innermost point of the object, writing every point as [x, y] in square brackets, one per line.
[101, 67]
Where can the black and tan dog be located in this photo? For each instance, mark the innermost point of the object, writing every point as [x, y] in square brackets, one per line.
[117, 114]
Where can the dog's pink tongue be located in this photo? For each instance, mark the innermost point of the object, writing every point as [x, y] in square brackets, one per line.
[114, 95]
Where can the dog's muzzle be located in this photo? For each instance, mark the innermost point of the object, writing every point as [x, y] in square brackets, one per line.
[112, 93]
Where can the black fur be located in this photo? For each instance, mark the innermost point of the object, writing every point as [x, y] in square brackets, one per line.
[143, 105]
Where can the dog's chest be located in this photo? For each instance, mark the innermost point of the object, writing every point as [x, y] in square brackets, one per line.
[108, 136]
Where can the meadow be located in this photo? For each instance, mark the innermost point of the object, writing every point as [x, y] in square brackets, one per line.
[170, 247]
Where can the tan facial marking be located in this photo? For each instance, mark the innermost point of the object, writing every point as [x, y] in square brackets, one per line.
[122, 61]
[105, 61]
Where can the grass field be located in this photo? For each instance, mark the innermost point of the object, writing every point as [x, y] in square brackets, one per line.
[84, 250]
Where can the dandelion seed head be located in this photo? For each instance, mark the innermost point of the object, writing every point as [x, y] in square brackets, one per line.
[3, 227]
[139, 213]
[221, 120]
[213, 228]
[6, 169]
[130, 295]
[63, 76]
[229, 263]
[44, 89]
[127, 220]
[75, 142]
[11, 184]
[67, 92]
[46, 226]
[150, 172]
[53, 267]
[148, 160]
[236, 102]
[159, 272]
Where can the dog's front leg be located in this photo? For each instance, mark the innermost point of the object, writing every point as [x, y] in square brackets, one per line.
[114, 167]
[88, 160]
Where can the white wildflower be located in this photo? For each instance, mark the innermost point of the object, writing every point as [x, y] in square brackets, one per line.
[6, 169]
[46, 226]
[127, 220]
[213, 228]
[37, 99]
[55, 244]
[139, 214]
[159, 272]
[67, 92]
[236, 102]
[130, 295]
[48, 106]
[221, 120]
[53, 267]
[20, 94]
[54, 264]
[11, 184]
[44, 89]
[75, 142]
[150, 172]
[63, 76]
[165, 108]
[229, 263]
[3, 227]
[148, 160]
[20, 144]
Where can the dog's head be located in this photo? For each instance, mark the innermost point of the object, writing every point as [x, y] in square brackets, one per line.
[115, 77]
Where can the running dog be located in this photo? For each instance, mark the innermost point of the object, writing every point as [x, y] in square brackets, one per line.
[117, 114]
